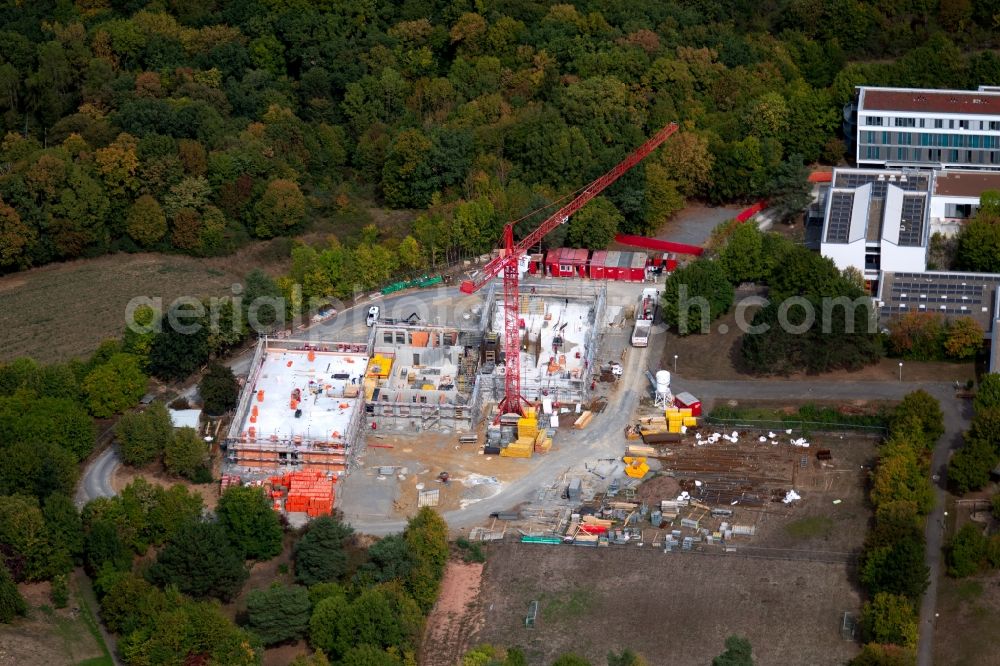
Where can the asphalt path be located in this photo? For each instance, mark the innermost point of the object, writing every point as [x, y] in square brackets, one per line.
[96, 479]
[957, 414]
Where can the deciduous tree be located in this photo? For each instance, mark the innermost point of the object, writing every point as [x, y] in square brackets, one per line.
[185, 453]
[964, 338]
[146, 223]
[281, 208]
[595, 225]
[252, 525]
[696, 295]
[114, 386]
[143, 436]
[889, 618]
[218, 389]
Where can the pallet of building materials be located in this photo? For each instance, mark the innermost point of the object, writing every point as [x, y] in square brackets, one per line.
[542, 443]
[637, 450]
[467, 439]
[584, 420]
[594, 520]
[661, 438]
[517, 449]
[670, 509]
[653, 420]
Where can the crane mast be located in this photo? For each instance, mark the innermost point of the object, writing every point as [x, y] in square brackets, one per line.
[507, 264]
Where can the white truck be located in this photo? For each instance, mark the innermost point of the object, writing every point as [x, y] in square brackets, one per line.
[644, 316]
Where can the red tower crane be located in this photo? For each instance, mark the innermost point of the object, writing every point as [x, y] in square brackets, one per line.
[507, 263]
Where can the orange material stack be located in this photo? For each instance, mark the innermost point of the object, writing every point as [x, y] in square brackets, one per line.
[309, 492]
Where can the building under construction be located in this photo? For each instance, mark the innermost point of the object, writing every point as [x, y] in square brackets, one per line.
[302, 408]
[560, 327]
[426, 376]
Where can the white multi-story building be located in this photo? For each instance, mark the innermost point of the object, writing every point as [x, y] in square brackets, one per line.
[877, 220]
[912, 127]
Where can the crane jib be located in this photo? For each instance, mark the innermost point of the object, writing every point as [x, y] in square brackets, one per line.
[507, 264]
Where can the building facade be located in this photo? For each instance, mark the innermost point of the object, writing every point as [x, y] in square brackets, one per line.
[911, 127]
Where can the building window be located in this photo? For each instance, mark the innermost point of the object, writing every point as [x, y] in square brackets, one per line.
[938, 123]
[387, 337]
[974, 141]
[901, 153]
[995, 125]
[885, 138]
[925, 139]
[400, 338]
[953, 155]
[921, 122]
[873, 120]
[963, 124]
[869, 137]
[905, 122]
[872, 153]
[951, 124]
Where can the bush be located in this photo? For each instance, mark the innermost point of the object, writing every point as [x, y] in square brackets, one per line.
[966, 552]
[874, 654]
[60, 591]
[12, 604]
[738, 653]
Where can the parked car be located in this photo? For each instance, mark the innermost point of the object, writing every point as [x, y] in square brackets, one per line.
[372, 315]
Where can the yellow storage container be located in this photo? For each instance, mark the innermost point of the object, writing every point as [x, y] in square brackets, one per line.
[674, 427]
[691, 421]
[671, 410]
[686, 411]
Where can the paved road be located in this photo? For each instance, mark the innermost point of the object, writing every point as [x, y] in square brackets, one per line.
[96, 479]
[957, 414]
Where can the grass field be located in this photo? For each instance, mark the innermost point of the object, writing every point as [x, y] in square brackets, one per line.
[62, 311]
[54, 636]
[671, 608]
[968, 624]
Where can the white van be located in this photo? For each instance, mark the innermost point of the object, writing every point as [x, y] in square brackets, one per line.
[372, 316]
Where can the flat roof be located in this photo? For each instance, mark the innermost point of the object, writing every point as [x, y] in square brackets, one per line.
[568, 256]
[942, 292]
[321, 379]
[559, 318]
[887, 204]
[917, 100]
[965, 183]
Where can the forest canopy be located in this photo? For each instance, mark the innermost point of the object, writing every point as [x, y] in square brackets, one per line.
[196, 126]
